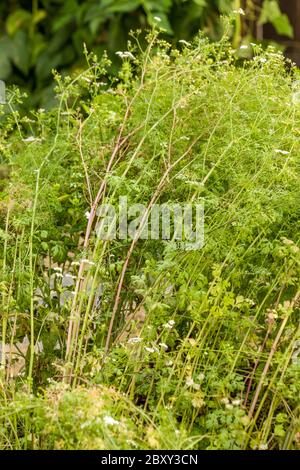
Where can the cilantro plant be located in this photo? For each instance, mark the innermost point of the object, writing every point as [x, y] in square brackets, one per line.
[140, 344]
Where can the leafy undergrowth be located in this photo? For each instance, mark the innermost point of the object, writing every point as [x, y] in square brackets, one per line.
[123, 344]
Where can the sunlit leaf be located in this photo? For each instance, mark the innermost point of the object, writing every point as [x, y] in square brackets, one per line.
[17, 20]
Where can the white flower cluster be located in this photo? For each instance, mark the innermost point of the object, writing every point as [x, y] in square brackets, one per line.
[125, 55]
[169, 325]
[109, 421]
[239, 11]
[282, 152]
[84, 261]
[190, 383]
[234, 402]
[134, 340]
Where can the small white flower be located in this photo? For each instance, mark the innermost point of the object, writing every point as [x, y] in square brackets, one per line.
[59, 275]
[58, 269]
[129, 55]
[201, 376]
[282, 152]
[87, 215]
[109, 421]
[57, 346]
[239, 11]
[157, 18]
[151, 350]
[253, 44]
[169, 324]
[75, 263]
[87, 261]
[30, 139]
[169, 363]
[189, 382]
[164, 346]
[134, 340]
[113, 115]
[184, 42]
[244, 46]
[125, 55]
[225, 400]
[236, 402]
[263, 60]
[85, 424]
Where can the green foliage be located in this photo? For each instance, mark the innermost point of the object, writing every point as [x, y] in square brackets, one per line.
[271, 14]
[200, 349]
[41, 35]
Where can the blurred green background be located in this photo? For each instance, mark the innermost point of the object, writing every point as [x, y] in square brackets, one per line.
[37, 36]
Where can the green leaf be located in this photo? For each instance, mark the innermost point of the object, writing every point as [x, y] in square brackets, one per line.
[46, 62]
[124, 6]
[39, 16]
[21, 55]
[5, 67]
[116, 6]
[38, 46]
[161, 11]
[17, 20]
[271, 13]
[283, 26]
[44, 234]
[163, 5]
[62, 21]
[45, 246]
[279, 430]
[201, 3]
[95, 24]
[5, 54]
[164, 22]
[225, 6]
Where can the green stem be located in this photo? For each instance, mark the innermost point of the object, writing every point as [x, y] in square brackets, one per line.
[31, 267]
[238, 25]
